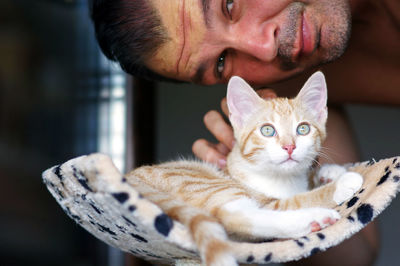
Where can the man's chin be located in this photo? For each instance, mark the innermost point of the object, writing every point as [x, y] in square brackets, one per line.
[333, 55]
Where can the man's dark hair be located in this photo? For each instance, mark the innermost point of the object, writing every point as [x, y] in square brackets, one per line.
[128, 32]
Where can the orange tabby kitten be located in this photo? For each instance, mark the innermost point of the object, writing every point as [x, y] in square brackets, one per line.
[265, 191]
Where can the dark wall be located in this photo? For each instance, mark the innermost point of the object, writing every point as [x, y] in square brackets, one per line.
[40, 67]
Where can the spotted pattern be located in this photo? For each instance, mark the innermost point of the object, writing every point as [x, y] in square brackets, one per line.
[250, 259]
[121, 196]
[321, 236]
[365, 213]
[352, 202]
[163, 224]
[315, 251]
[138, 238]
[95, 208]
[81, 178]
[129, 222]
[299, 243]
[268, 257]
[384, 178]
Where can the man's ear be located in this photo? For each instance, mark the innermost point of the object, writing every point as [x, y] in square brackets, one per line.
[314, 96]
[242, 101]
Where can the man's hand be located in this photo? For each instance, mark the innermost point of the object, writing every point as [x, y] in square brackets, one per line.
[222, 131]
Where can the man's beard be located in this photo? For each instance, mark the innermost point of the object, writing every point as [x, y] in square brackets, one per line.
[336, 33]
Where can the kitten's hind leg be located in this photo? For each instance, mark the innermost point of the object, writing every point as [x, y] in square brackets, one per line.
[208, 234]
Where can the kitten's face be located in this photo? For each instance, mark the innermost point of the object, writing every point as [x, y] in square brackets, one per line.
[279, 134]
[282, 135]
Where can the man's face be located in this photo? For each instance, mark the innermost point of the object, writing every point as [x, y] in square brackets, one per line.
[262, 41]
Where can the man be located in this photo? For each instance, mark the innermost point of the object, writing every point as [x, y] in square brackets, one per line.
[265, 41]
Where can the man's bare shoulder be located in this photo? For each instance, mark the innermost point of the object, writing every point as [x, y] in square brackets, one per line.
[368, 72]
[393, 9]
[376, 29]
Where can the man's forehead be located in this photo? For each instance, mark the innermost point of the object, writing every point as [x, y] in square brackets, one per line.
[184, 21]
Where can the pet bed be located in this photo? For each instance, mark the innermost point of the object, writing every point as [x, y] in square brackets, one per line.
[97, 196]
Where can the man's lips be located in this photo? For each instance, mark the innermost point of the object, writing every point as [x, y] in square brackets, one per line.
[307, 38]
[305, 42]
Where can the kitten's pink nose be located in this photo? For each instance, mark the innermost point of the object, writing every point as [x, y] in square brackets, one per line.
[289, 148]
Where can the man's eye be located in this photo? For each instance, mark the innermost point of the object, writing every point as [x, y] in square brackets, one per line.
[229, 7]
[221, 63]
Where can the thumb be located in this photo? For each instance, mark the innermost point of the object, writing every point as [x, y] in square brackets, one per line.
[267, 93]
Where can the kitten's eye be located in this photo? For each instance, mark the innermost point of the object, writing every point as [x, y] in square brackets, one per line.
[303, 129]
[221, 64]
[229, 6]
[268, 131]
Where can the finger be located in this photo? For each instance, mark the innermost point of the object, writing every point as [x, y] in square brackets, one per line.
[222, 131]
[221, 148]
[224, 107]
[206, 151]
[266, 93]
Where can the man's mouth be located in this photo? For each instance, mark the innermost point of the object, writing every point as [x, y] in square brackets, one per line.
[306, 39]
[299, 38]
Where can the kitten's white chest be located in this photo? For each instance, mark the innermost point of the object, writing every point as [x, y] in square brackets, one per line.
[280, 187]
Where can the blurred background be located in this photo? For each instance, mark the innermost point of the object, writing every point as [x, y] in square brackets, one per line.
[59, 98]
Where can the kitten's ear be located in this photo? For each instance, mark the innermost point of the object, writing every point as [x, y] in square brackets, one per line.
[242, 101]
[314, 96]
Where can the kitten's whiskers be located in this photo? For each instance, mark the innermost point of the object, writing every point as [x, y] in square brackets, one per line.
[325, 156]
[313, 159]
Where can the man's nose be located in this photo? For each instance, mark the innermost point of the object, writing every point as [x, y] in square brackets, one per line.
[260, 42]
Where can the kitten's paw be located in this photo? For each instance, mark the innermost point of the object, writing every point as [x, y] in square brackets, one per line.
[329, 173]
[312, 220]
[324, 218]
[348, 184]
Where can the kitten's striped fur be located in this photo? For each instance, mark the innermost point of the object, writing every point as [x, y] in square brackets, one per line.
[258, 197]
